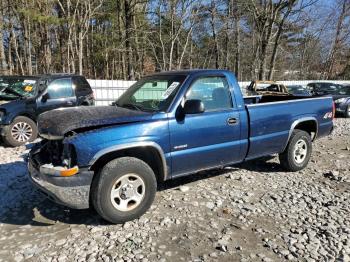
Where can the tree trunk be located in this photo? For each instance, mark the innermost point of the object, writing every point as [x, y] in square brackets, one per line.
[128, 37]
[227, 32]
[3, 64]
[28, 47]
[276, 44]
[216, 44]
[237, 40]
[18, 56]
[80, 56]
[237, 47]
[9, 53]
[337, 40]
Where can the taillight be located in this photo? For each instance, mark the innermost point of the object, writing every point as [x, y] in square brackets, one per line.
[333, 110]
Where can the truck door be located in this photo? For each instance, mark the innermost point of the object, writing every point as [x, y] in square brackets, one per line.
[209, 139]
[58, 94]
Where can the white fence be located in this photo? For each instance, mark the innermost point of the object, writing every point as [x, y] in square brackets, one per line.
[107, 91]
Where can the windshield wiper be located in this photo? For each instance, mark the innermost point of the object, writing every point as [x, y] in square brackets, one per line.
[133, 106]
[129, 105]
[9, 90]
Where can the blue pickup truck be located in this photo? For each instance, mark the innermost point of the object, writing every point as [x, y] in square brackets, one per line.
[165, 126]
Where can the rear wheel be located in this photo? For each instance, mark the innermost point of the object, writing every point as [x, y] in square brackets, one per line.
[297, 154]
[21, 131]
[124, 189]
[347, 112]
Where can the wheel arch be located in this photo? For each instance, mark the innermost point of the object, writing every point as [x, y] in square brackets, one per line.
[23, 114]
[307, 124]
[149, 152]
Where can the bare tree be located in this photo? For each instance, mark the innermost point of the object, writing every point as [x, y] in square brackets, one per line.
[338, 37]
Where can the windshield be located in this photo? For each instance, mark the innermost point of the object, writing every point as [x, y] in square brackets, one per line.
[151, 93]
[299, 90]
[342, 90]
[17, 87]
[332, 89]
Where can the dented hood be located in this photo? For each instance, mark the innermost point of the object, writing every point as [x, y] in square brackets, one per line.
[56, 123]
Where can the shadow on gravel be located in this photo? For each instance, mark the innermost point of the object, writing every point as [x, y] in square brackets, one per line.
[256, 165]
[42, 212]
[261, 165]
[27, 206]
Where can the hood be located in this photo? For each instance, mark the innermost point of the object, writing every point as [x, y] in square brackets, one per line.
[10, 105]
[56, 123]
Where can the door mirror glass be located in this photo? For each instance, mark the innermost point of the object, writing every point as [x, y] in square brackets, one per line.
[194, 106]
[41, 86]
[45, 97]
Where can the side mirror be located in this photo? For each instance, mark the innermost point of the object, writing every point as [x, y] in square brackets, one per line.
[41, 86]
[45, 97]
[194, 106]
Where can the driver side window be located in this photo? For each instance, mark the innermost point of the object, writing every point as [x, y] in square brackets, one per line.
[60, 88]
[214, 92]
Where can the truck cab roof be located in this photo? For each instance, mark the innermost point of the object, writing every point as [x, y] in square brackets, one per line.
[192, 72]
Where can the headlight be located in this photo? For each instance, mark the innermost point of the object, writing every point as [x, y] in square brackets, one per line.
[2, 114]
[49, 169]
[341, 100]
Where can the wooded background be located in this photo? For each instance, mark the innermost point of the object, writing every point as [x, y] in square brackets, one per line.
[126, 39]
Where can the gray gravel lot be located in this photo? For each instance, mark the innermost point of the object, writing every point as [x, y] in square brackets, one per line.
[249, 212]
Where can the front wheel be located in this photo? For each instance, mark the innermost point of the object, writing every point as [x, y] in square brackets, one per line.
[297, 154]
[123, 190]
[21, 131]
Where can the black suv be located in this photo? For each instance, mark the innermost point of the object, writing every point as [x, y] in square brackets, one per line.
[339, 93]
[23, 98]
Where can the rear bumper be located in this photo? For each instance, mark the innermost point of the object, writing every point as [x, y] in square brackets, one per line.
[73, 192]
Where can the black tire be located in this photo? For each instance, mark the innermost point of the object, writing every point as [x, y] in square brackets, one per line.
[347, 112]
[14, 140]
[291, 159]
[104, 183]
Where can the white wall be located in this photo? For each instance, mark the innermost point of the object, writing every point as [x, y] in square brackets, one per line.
[107, 91]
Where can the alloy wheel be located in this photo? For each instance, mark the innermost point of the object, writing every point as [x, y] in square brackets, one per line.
[22, 132]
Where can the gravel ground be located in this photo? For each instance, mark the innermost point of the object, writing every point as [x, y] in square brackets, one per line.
[250, 212]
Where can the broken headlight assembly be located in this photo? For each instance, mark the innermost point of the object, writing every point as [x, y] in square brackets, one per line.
[60, 161]
[2, 115]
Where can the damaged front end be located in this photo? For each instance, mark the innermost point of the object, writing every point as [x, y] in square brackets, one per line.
[56, 165]
[56, 158]
[53, 169]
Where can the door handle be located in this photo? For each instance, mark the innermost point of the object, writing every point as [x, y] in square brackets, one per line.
[69, 103]
[232, 121]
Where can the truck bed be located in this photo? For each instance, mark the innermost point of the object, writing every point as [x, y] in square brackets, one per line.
[272, 118]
